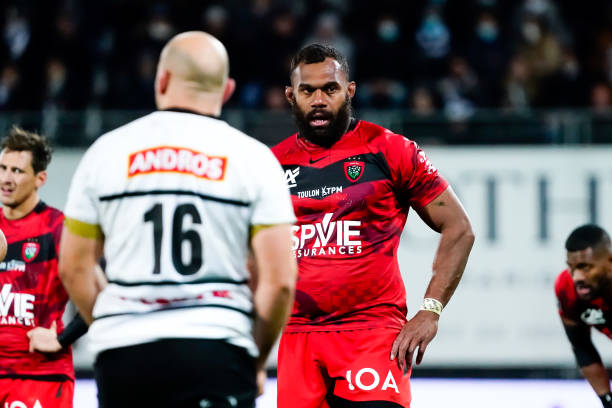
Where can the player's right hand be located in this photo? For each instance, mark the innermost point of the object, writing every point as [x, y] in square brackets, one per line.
[44, 340]
[416, 333]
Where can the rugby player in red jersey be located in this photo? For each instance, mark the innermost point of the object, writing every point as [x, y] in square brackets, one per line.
[584, 292]
[348, 342]
[35, 363]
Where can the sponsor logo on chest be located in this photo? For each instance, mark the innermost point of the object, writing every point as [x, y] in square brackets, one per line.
[593, 316]
[327, 237]
[16, 308]
[168, 159]
[290, 177]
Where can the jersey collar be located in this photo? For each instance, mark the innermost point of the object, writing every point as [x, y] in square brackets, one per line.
[182, 110]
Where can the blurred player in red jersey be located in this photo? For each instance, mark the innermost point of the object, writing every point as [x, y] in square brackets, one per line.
[35, 363]
[584, 292]
[352, 184]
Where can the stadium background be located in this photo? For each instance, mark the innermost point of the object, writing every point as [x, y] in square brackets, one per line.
[512, 101]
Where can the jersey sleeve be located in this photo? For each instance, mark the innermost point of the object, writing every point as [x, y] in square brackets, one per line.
[272, 203]
[82, 211]
[414, 176]
[566, 300]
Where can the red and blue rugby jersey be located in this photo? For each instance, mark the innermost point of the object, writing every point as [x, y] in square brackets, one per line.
[596, 312]
[352, 201]
[31, 293]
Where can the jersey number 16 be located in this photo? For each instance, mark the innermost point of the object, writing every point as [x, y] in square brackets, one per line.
[155, 215]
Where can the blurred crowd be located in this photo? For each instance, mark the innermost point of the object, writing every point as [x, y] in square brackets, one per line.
[450, 56]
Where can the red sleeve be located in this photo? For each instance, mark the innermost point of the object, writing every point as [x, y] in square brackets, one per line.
[566, 295]
[413, 174]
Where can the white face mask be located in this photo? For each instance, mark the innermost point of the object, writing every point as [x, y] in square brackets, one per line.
[388, 30]
[487, 31]
[532, 32]
[160, 30]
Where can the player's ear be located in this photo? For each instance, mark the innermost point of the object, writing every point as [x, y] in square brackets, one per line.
[162, 81]
[230, 87]
[351, 87]
[289, 94]
[41, 178]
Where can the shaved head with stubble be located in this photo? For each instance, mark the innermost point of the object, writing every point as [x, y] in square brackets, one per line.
[193, 73]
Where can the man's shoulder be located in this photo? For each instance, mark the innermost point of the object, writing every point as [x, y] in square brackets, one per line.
[564, 284]
[383, 137]
[284, 146]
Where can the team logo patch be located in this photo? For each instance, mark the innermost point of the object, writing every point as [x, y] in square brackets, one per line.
[353, 170]
[29, 250]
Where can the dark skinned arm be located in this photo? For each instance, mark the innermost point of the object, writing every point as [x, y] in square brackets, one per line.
[445, 215]
[587, 357]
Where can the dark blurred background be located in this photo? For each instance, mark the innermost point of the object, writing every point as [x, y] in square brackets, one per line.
[439, 71]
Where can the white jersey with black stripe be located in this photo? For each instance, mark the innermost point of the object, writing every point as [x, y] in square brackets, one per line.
[175, 195]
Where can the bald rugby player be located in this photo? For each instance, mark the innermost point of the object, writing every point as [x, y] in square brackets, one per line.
[178, 201]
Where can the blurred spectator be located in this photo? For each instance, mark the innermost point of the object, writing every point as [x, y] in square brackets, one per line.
[16, 34]
[433, 41]
[487, 53]
[540, 48]
[328, 30]
[521, 54]
[601, 99]
[564, 87]
[216, 22]
[57, 94]
[282, 38]
[460, 85]
[9, 83]
[518, 86]
[382, 92]
[547, 12]
[274, 99]
[422, 102]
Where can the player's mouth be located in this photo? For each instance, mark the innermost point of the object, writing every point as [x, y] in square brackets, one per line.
[6, 191]
[319, 119]
[583, 290]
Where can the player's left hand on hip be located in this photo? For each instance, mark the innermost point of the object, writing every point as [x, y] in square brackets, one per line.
[416, 334]
[44, 340]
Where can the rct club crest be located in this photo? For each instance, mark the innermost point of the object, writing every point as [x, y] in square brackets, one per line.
[29, 250]
[353, 170]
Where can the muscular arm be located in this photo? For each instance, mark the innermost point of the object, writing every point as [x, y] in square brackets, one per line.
[446, 215]
[276, 271]
[78, 261]
[587, 357]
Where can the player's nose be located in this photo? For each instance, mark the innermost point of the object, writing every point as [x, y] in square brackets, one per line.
[578, 275]
[319, 98]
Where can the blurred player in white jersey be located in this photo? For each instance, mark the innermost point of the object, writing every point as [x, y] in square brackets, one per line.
[175, 201]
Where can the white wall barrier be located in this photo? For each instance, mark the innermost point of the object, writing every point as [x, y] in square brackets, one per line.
[523, 202]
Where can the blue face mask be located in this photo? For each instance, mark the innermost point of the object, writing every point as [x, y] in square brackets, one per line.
[487, 32]
[388, 31]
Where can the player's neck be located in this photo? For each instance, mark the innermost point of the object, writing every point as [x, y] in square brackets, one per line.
[23, 209]
[208, 104]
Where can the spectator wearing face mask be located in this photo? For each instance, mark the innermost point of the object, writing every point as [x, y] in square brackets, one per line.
[487, 54]
[382, 81]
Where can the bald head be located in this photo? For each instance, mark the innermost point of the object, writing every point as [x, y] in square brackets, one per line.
[197, 58]
[192, 65]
